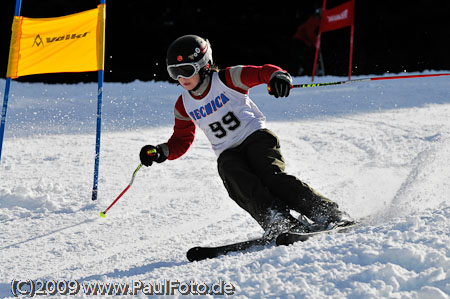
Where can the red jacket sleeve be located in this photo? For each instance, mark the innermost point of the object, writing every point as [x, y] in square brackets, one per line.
[242, 78]
[183, 132]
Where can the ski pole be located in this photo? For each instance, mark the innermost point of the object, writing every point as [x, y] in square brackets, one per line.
[365, 80]
[103, 213]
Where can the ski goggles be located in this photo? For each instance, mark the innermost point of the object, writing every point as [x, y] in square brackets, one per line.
[184, 70]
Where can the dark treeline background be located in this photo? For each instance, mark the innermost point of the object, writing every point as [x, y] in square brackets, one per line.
[390, 36]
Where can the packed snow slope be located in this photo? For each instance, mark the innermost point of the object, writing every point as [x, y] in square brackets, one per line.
[381, 149]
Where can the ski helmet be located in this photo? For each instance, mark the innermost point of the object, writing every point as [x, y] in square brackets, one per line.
[187, 56]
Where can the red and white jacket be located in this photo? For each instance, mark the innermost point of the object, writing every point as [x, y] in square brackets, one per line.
[239, 78]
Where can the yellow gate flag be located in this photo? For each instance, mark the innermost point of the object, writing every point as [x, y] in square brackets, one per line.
[73, 43]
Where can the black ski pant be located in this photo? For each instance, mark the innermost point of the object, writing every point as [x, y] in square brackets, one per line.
[253, 174]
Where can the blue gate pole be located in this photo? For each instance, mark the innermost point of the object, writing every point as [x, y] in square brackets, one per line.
[6, 95]
[4, 109]
[99, 128]
[98, 133]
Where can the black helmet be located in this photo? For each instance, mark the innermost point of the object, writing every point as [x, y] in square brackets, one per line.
[187, 55]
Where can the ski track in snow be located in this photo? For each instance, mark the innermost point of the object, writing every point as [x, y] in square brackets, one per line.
[381, 150]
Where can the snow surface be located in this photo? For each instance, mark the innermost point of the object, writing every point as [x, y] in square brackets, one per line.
[381, 149]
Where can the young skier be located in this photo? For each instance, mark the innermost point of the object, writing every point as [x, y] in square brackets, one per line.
[249, 161]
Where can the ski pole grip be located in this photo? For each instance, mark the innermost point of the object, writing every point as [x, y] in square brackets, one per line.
[151, 152]
[269, 88]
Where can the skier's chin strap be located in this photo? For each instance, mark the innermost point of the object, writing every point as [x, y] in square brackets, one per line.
[203, 84]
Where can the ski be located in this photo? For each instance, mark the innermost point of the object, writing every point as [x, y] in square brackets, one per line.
[289, 238]
[201, 253]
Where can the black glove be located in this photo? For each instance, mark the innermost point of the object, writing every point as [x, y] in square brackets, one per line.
[280, 84]
[150, 154]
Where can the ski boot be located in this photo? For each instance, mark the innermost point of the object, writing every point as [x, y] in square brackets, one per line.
[327, 216]
[277, 222]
